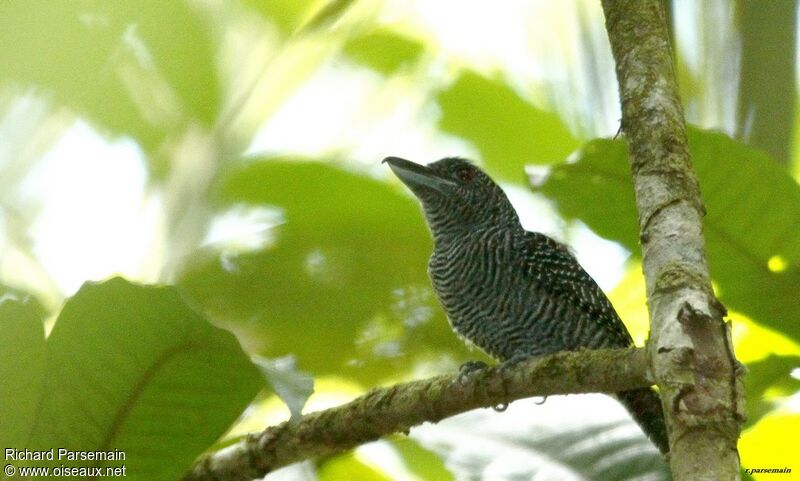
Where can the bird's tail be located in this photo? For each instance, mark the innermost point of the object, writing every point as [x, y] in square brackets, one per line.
[645, 407]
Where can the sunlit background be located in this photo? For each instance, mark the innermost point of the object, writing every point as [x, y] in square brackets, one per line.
[233, 149]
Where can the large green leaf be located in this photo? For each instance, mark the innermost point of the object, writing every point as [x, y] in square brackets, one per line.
[21, 364]
[133, 368]
[751, 229]
[343, 285]
[507, 129]
[132, 68]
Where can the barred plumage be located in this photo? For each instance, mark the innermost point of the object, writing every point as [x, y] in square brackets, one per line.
[513, 293]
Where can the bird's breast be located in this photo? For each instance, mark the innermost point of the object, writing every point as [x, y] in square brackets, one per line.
[475, 283]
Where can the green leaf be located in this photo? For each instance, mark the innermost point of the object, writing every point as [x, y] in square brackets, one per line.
[383, 51]
[507, 129]
[597, 184]
[771, 374]
[130, 68]
[294, 387]
[342, 282]
[133, 368]
[22, 362]
[752, 239]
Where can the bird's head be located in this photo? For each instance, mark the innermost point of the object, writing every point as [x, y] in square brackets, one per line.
[456, 195]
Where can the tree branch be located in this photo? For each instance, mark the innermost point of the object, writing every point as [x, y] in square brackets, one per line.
[397, 408]
[689, 346]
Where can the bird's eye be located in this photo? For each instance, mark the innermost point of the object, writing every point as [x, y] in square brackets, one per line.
[465, 174]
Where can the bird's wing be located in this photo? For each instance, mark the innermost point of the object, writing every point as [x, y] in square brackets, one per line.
[559, 274]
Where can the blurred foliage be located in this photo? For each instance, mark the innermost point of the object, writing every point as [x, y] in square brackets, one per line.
[767, 120]
[420, 461]
[508, 131]
[348, 466]
[383, 51]
[137, 69]
[771, 443]
[629, 298]
[133, 368]
[346, 274]
[22, 363]
[301, 16]
[601, 451]
[746, 194]
[769, 378]
[286, 15]
[338, 278]
[752, 247]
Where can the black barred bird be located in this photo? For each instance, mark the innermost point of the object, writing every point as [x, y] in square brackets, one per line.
[515, 294]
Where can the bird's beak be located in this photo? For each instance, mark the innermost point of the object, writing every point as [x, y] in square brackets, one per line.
[418, 177]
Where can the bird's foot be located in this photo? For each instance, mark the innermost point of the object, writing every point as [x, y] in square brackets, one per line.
[468, 368]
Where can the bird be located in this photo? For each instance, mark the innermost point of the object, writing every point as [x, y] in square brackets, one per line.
[513, 293]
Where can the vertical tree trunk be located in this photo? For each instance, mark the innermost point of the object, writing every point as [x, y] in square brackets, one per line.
[691, 355]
